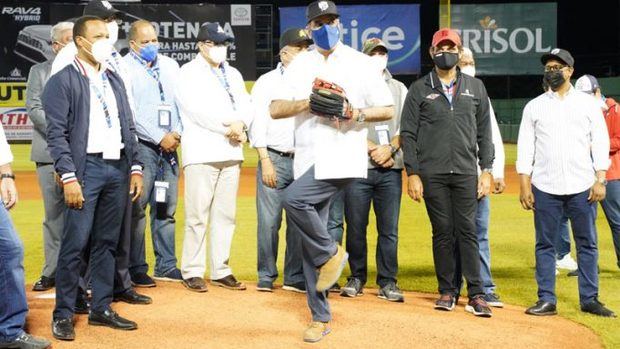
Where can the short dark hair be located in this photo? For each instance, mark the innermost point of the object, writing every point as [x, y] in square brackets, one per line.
[80, 25]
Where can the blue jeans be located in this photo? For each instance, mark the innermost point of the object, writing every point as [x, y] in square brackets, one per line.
[383, 188]
[162, 230]
[13, 306]
[549, 210]
[269, 208]
[611, 207]
[105, 188]
[562, 245]
[335, 221]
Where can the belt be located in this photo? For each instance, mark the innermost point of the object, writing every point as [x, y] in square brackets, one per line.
[281, 153]
[100, 155]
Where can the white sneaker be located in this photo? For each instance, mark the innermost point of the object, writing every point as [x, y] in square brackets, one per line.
[567, 262]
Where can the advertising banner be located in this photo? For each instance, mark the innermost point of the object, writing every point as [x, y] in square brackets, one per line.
[397, 25]
[507, 39]
[26, 29]
[17, 126]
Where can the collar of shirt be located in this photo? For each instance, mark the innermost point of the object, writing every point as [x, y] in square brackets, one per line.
[554, 95]
[89, 70]
[154, 64]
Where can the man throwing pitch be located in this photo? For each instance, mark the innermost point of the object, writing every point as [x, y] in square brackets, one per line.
[330, 90]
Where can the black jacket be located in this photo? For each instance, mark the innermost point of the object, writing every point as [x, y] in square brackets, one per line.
[440, 138]
[66, 101]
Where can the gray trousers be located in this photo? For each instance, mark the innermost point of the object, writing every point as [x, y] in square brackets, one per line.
[54, 204]
[307, 202]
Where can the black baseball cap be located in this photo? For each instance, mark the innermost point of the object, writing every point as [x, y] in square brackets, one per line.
[294, 36]
[101, 9]
[559, 54]
[320, 8]
[213, 31]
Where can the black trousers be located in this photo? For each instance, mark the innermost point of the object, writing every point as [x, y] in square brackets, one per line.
[451, 205]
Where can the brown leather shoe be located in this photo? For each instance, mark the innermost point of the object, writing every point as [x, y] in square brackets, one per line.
[229, 282]
[195, 284]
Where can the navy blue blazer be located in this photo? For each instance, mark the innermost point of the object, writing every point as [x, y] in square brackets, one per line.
[66, 101]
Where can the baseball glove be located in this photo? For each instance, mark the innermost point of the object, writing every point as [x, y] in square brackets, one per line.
[329, 100]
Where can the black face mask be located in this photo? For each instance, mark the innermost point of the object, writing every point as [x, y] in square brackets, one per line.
[554, 79]
[445, 60]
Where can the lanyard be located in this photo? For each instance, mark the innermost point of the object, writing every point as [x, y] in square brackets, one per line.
[154, 73]
[224, 83]
[100, 96]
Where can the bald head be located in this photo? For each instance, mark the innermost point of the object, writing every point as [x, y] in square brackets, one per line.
[141, 28]
[467, 57]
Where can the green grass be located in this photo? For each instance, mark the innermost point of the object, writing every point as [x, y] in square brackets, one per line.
[512, 244]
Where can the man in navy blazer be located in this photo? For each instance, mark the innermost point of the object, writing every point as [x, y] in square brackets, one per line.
[91, 138]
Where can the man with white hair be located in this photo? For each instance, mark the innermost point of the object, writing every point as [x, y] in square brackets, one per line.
[467, 65]
[53, 199]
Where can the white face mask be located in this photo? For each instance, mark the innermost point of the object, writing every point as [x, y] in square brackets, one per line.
[469, 70]
[379, 62]
[113, 31]
[101, 50]
[217, 54]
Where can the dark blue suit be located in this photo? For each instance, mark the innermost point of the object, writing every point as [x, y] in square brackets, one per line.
[105, 185]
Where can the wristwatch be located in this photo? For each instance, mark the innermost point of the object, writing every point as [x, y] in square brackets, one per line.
[7, 175]
[489, 170]
[393, 149]
[361, 117]
[602, 181]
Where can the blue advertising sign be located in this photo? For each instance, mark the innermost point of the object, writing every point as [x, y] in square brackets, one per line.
[397, 25]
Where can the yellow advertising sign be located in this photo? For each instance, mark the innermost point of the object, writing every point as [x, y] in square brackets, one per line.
[12, 94]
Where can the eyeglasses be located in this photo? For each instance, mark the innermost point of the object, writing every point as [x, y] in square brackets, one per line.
[550, 68]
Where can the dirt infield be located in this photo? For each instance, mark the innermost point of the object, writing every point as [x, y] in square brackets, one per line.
[28, 187]
[250, 319]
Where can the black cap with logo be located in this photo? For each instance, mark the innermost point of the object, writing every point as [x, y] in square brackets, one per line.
[102, 9]
[558, 54]
[212, 31]
[320, 8]
[294, 36]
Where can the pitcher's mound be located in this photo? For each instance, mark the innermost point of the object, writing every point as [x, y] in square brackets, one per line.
[222, 318]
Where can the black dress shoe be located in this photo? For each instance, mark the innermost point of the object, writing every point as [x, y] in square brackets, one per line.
[597, 308]
[82, 306]
[62, 328]
[27, 341]
[43, 284]
[132, 297]
[110, 319]
[542, 309]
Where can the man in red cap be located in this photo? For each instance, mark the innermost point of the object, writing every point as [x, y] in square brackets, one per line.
[446, 134]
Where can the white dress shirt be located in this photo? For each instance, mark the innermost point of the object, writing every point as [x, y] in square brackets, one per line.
[265, 131]
[101, 136]
[206, 109]
[335, 151]
[6, 157]
[562, 142]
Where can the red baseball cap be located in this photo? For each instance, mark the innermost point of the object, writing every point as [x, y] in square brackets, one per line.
[446, 34]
